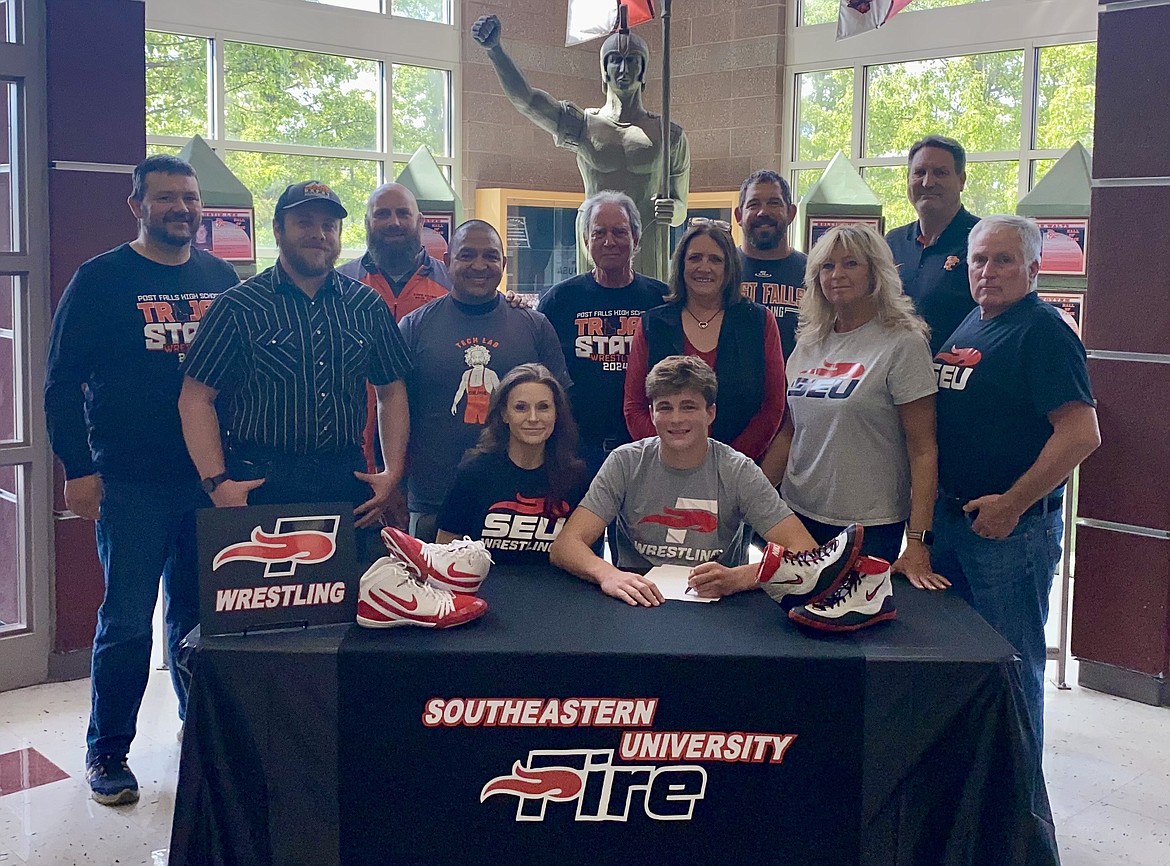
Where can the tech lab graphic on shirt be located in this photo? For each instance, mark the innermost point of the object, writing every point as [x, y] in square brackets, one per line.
[832, 380]
[954, 367]
[680, 527]
[478, 381]
[523, 524]
[170, 320]
[605, 336]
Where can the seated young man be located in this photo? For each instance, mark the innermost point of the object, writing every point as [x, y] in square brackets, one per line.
[681, 498]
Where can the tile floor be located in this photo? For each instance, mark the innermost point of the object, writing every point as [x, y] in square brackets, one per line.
[1107, 762]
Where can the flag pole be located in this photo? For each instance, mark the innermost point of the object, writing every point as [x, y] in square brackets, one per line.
[664, 191]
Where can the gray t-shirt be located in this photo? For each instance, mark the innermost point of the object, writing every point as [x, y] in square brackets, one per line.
[848, 461]
[682, 516]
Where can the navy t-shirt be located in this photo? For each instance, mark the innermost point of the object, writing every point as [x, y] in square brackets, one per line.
[122, 329]
[935, 277]
[997, 381]
[506, 507]
[778, 285]
[596, 326]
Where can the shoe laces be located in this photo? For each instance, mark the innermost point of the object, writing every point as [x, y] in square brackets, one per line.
[443, 599]
[463, 545]
[811, 557]
[102, 765]
[844, 591]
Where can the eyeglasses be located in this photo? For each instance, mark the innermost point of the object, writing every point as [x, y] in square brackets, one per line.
[707, 221]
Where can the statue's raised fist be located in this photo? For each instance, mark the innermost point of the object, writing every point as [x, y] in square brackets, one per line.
[486, 31]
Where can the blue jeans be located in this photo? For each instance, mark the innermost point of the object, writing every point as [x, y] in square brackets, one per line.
[1007, 581]
[147, 529]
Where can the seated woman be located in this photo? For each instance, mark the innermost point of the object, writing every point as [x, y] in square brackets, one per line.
[705, 315]
[858, 443]
[516, 487]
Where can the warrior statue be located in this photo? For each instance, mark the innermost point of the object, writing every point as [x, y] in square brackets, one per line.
[618, 146]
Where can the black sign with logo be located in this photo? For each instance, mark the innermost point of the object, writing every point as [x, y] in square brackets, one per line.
[271, 565]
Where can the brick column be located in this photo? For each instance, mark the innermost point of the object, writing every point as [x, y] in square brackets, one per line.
[1121, 608]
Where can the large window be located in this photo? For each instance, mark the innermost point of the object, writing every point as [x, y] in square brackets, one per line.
[282, 115]
[423, 10]
[1015, 111]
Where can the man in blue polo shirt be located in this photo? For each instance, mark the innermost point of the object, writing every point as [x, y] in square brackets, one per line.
[931, 252]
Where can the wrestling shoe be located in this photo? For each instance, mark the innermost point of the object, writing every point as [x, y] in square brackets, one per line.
[866, 597]
[389, 596]
[459, 566]
[110, 781]
[809, 575]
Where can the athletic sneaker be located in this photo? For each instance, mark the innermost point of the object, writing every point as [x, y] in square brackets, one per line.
[389, 595]
[459, 566]
[809, 575]
[110, 781]
[866, 597]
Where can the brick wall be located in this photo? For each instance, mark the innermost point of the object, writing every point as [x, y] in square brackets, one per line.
[726, 86]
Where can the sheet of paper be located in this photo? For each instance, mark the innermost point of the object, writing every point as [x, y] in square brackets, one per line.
[671, 580]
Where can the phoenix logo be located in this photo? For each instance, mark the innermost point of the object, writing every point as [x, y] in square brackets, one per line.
[836, 370]
[295, 541]
[602, 790]
[960, 357]
[862, 6]
[530, 505]
[701, 515]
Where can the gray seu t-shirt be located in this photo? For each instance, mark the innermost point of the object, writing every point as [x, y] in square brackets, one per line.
[671, 516]
[848, 461]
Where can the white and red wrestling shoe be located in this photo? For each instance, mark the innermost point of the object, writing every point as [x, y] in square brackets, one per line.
[459, 566]
[389, 596]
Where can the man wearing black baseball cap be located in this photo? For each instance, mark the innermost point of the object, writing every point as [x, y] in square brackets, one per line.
[292, 350]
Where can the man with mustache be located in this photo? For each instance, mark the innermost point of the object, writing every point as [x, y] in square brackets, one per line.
[397, 267]
[773, 272]
[931, 252]
[460, 346]
[121, 331]
[292, 350]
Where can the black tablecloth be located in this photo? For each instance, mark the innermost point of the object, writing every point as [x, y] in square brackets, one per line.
[314, 747]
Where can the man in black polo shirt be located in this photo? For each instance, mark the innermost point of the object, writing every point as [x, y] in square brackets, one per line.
[121, 330]
[291, 350]
[931, 252]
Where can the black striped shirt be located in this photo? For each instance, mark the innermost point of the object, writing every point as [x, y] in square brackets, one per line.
[293, 368]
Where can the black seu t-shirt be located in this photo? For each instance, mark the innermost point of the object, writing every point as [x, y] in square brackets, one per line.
[497, 502]
[998, 379]
[596, 327]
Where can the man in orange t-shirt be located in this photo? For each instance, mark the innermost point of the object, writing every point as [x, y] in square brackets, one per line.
[397, 267]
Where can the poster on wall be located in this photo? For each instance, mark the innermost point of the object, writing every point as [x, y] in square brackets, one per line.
[1071, 304]
[1064, 246]
[227, 232]
[436, 233]
[817, 226]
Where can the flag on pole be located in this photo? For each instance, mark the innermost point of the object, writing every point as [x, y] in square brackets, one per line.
[861, 16]
[592, 19]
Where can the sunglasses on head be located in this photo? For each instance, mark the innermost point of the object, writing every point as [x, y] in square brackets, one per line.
[707, 221]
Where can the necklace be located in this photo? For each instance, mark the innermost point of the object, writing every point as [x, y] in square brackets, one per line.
[703, 324]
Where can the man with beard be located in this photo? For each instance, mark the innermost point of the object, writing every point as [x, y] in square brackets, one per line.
[460, 347]
[773, 272]
[291, 350]
[398, 268]
[121, 331]
[395, 265]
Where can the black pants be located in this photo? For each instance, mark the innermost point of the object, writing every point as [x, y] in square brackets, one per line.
[290, 478]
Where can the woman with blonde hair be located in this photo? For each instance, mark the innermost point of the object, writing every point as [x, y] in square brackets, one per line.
[858, 442]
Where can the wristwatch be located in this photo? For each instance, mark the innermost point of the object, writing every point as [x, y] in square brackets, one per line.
[926, 536]
[209, 484]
